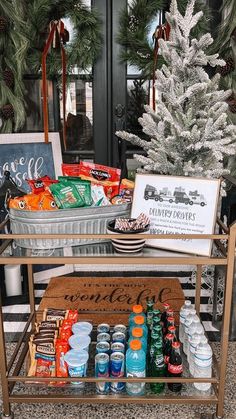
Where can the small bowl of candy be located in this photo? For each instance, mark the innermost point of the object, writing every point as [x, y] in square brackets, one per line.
[140, 225]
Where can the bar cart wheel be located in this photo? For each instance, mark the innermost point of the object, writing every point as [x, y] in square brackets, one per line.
[11, 416]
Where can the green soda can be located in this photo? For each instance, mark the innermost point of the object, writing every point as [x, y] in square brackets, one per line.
[157, 368]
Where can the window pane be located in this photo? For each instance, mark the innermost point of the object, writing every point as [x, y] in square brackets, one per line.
[138, 94]
[79, 116]
[34, 108]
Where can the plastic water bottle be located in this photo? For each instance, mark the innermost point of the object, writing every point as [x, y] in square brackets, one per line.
[203, 365]
[187, 325]
[191, 313]
[196, 328]
[195, 339]
[135, 367]
[184, 312]
[195, 325]
[137, 310]
[137, 333]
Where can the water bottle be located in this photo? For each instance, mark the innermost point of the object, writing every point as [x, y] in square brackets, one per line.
[137, 310]
[187, 324]
[193, 343]
[184, 312]
[191, 329]
[196, 327]
[137, 333]
[135, 367]
[138, 321]
[203, 365]
[192, 312]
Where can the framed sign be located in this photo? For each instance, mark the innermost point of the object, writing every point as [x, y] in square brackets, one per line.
[27, 156]
[178, 205]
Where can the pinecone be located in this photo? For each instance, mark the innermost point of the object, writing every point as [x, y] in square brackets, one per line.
[7, 112]
[8, 77]
[228, 67]
[3, 24]
[232, 103]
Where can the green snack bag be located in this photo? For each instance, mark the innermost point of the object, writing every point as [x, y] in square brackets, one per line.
[66, 195]
[82, 186]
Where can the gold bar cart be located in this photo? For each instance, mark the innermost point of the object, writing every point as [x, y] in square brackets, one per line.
[11, 371]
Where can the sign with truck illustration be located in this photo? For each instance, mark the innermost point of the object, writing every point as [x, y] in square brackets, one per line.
[178, 196]
[177, 205]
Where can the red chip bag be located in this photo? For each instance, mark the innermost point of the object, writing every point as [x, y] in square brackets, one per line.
[41, 184]
[37, 185]
[70, 169]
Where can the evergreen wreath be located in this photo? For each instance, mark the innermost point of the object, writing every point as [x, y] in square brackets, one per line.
[13, 50]
[136, 22]
[81, 51]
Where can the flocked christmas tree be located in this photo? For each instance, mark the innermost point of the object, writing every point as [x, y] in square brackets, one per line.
[189, 131]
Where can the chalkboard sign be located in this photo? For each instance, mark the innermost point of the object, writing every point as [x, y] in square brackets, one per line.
[27, 156]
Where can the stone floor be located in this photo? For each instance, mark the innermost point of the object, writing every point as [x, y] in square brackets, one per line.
[131, 411]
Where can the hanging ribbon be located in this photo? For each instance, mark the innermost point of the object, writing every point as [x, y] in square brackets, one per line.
[161, 32]
[56, 38]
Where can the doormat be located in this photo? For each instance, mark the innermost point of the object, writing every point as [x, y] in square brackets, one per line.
[97, 298]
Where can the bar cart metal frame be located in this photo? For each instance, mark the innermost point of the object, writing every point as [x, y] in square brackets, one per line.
[10, 370]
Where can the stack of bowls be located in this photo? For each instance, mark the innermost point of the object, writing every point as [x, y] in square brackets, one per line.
[127, 245]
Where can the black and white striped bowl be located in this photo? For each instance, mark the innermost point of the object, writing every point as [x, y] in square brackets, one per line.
[127, 245]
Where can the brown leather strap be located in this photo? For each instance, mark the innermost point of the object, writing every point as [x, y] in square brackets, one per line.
[63, 58]
[161, 32]
[56, 29]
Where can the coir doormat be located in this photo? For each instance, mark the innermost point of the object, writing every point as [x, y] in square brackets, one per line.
[104, 296]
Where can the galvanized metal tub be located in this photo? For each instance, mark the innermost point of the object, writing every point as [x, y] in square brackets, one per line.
[89, 220]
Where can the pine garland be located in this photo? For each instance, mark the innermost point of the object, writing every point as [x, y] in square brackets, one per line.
[135, 25]
[13, 48]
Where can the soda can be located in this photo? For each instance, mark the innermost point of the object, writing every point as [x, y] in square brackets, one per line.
[120, 328]
[103, 337]
[102, 370]
[117, 347]
[117, 370]
[103, 347]
[103, 328]
[118, 337]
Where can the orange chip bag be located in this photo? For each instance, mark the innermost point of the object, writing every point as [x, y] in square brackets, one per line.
[34, 202]
[46, 201]
[18, 203]
[26, 202]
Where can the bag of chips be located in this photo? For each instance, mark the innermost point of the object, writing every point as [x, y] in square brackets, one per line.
[70, 169]
[39, 185]
[83, 187]
[66, 195]
[108, 177]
